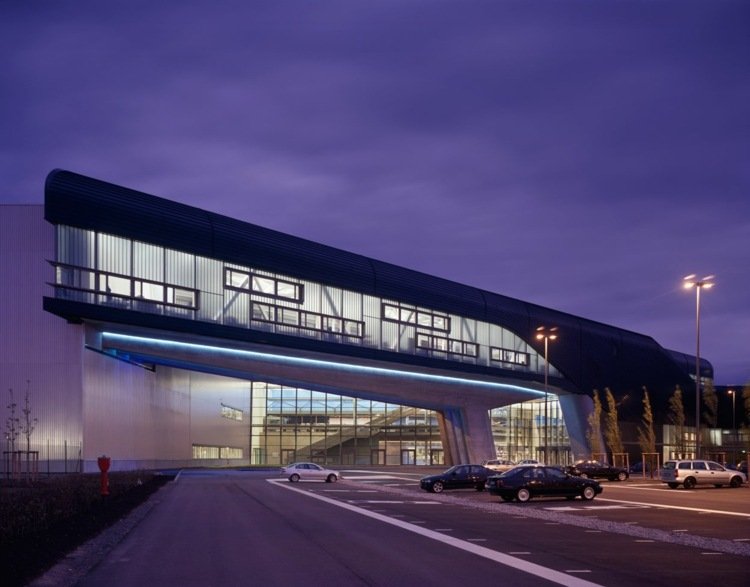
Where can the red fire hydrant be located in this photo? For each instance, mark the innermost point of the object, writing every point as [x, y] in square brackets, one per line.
[104, 462]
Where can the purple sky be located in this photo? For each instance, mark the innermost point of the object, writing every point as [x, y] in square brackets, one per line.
[584, 156]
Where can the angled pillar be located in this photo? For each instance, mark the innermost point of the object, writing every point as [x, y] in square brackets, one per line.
[466, 434]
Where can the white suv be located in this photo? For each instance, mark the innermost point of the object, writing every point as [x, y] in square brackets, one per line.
[699, 472]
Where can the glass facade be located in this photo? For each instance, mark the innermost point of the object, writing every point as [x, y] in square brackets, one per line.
[531, 430]
[291, 424]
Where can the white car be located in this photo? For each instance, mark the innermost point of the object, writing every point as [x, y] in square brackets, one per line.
[499, 465]
[309, 471]
[699, 472]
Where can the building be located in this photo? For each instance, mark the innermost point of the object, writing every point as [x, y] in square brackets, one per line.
[164, 335]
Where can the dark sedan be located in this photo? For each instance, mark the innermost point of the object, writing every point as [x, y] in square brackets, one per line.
[598, 470]
[458, 477]
[525, 482]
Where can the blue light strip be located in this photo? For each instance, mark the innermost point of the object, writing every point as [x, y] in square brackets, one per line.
[303, 362]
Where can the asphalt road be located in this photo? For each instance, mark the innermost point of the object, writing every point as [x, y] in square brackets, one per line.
[378, 528]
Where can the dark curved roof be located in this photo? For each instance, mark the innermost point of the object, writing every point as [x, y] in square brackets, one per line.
[591, 355]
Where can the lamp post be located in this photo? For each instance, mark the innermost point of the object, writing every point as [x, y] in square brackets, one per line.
[546, 334]
[691, 281]
[734, 433]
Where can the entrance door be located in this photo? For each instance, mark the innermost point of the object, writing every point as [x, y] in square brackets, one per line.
[408, 456]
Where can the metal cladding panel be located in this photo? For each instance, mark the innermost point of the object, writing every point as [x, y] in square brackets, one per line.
[249, 244]
[76, 200]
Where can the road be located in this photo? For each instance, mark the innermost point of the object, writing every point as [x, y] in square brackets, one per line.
[249, 528]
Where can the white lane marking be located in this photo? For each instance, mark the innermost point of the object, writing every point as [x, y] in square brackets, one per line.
[519, 564]
[677, 507]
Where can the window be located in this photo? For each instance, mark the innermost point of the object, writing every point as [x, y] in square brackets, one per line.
[509, 356]
[120, 286]
[308, 320]
[395, 312]
[287, 316]
[263, 285]
[216, 452]
[450, 345]
[231, 413]
[181, 297]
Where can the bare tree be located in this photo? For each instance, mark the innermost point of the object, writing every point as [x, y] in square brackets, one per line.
[29, 423]
[677, 418]
[612, 426]
[12, 424]
[646, 434]
[594, 432]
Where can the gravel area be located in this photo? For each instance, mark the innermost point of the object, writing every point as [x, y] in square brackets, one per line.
[514, 509]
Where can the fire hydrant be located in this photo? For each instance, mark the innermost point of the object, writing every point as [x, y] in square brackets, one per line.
[104, 462]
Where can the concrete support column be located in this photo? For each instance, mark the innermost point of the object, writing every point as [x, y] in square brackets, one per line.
[576, 410]
[466, 434]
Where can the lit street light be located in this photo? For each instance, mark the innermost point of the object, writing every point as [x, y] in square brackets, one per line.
[734, 432]
[546, 334]
[689, 282]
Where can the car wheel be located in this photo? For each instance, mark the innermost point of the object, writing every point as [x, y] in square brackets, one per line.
[588, 493]
[331, 478]
[523, 495]
[689, 483]
[294, 478]
[735, 482]
[437, 487]
[673, 485]
[622, 476]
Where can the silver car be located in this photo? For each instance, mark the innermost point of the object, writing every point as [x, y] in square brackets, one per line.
[309, 471]
[690, 473]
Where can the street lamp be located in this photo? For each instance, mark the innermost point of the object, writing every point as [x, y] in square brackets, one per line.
[690, 281]
[734, 434]
[546, 334]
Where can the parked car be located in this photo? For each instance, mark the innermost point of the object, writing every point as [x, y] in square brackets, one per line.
[598, 470]
[526, 481]
[529, 462]
[742, 467]
[690, 473]
[309, 471]
[457, 477]
[499, 465]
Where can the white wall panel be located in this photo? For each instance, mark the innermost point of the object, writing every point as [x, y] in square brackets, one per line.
[38, 351]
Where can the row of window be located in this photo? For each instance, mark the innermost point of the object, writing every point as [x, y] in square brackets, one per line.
[509, 356]
[203, 451]
[125, 287]
[395, 312]
[263, 285]
[309, 320]
[447, 345]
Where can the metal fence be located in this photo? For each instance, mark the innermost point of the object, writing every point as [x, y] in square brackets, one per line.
[41, 459]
